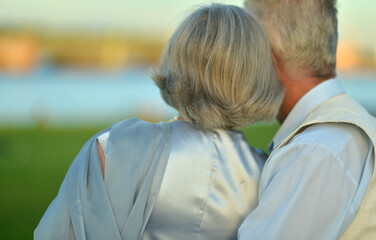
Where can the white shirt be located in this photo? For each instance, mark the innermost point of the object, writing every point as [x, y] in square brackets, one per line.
[312, 188]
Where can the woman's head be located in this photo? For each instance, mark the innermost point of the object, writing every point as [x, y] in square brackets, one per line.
[217, 69]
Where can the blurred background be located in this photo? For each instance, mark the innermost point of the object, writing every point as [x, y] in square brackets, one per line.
[70, 68]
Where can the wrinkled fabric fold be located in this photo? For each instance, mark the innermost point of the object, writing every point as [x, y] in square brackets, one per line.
[209, 186]
[83, 205]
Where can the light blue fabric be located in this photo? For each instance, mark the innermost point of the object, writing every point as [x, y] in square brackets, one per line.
[313, 186]
[304, 106]
[191, 183]
[209, 187]
[83, 203]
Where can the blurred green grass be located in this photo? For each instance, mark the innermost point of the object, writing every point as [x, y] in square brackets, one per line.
[33, 163]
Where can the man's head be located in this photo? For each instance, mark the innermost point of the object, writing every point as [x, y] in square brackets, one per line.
[303, 34]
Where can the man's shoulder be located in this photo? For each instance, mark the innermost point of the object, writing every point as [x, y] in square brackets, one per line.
[326, 144]
[335, 137]
[337, 123]
[341, 109]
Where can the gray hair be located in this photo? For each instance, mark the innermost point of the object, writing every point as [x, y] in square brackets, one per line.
[217, 69]
[303, 33]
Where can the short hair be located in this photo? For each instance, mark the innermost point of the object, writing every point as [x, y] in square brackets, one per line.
[303, 33]
[217, 69]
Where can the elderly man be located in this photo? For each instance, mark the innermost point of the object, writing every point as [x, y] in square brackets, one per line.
[318, 182]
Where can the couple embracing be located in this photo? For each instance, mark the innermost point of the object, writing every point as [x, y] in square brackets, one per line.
[196, 177]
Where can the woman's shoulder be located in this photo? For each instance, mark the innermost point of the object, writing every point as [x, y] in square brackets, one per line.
[221, 139]
[136, 125]
[132, 132]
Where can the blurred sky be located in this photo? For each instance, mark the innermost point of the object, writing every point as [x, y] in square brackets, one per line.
[357, 19]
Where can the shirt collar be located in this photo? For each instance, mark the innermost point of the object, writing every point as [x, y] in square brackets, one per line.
[304, 106]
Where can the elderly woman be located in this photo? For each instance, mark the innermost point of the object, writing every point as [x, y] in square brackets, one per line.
[193, 178]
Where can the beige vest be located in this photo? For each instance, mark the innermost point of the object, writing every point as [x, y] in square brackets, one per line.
[342, 109]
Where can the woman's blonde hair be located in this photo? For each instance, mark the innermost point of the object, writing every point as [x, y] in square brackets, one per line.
[217, 69]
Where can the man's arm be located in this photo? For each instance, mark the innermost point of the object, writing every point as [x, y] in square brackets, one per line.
[306, 193]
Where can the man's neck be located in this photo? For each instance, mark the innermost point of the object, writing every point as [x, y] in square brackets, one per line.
[296, 86]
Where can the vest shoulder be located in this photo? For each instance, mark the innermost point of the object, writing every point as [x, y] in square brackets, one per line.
[342, 109]
[333, 136]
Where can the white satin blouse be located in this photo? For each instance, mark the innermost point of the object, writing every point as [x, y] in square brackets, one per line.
[210, 185]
